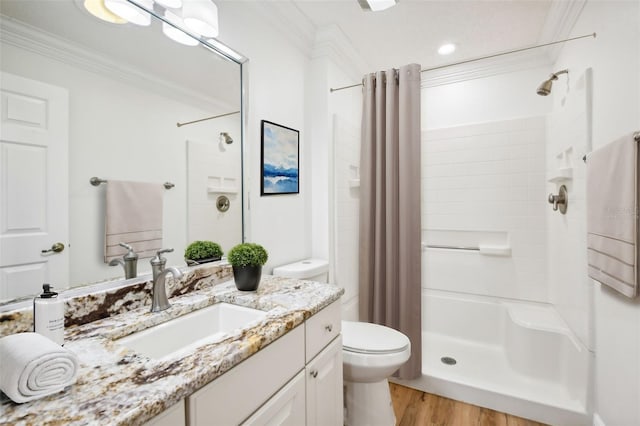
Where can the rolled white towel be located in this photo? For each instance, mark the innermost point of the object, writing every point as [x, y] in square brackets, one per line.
[32, 366]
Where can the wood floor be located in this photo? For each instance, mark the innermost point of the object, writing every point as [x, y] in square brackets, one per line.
[414, 407]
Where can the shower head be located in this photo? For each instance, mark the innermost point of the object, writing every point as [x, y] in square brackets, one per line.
[224, 137]
[545, 88]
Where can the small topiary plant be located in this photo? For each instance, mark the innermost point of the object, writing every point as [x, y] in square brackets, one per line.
[247, 254]
[198, 250]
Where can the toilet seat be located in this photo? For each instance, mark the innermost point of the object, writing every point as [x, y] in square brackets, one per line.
[372, 339]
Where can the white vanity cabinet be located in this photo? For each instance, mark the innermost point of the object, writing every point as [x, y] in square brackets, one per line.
[294, 381]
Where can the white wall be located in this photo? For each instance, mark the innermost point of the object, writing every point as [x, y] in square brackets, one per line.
[484, 182]
[499, 97]
[615, 58]
[277, 84]
[568, 139]
[484, 185]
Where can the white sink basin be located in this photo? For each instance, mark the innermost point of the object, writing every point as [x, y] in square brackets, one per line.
[185, 333]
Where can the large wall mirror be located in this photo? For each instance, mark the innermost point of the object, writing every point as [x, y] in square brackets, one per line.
[83, 98]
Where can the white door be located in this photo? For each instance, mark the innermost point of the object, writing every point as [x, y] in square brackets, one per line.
[34, 132]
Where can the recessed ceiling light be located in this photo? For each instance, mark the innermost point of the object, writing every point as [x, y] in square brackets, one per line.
[376, 5]
[447, 49]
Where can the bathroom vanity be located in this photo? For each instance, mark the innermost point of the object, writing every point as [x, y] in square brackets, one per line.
[286, 366]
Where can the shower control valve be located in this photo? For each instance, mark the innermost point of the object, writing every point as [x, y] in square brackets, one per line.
[560, 201]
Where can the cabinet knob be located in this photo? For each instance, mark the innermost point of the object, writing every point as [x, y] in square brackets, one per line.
[328, 327]
[314, 373]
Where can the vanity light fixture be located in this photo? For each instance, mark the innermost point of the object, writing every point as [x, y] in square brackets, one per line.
[174, 33]
[201, 17]
[447, 49]
[173, 4]
[376, 5]
[131, 12]
[97, 9]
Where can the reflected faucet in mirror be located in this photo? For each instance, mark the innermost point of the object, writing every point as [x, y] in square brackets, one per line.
[159, 301]
[129, 262]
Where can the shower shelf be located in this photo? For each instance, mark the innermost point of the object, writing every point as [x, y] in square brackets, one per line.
[222, 190]
[562, 175]
[354, 183]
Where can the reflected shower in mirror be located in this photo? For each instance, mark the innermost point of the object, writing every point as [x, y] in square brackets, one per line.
[83, 98]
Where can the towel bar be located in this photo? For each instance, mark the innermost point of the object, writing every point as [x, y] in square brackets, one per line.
[636, 137]
[96, 181]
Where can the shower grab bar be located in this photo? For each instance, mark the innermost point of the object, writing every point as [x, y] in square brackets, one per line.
[447, 247]
[96, 181]
[503, 250]
[636, 137]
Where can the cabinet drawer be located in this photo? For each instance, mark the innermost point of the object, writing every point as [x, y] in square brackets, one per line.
[234, 396]
[321, 329]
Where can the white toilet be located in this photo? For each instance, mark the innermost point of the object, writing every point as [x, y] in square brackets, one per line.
[370, 354]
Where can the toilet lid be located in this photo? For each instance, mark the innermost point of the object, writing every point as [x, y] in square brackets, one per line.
[364, 337]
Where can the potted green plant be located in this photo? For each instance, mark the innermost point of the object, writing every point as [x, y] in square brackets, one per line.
[247, 260]
[202, 252]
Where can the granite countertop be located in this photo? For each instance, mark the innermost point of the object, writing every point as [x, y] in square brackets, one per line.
[117, 386]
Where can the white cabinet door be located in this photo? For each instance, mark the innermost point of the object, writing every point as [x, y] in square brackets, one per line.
[286, 408]
[238, 393]
[324, 387]
[34, 200]
[173, 416]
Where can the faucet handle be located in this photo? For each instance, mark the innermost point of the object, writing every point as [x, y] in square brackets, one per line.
[158, 259]
[125, 245]
[167, 250]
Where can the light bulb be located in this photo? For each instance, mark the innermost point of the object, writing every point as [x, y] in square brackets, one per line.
[201, 16]
[131, 12]
[174, 33]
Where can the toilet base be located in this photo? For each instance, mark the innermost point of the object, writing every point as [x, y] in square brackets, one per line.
[368, 404]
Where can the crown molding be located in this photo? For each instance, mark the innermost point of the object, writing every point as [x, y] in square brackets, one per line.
[560, 21]
[32, 39]
[289, 20]
[331, 42]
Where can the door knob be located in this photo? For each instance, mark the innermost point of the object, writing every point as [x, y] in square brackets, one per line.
[56, 248]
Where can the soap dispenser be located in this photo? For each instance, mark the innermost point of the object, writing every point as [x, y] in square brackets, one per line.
[48, 315]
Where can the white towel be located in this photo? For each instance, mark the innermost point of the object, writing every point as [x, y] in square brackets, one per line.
[612, 215]
[33, 367]
[133, 215]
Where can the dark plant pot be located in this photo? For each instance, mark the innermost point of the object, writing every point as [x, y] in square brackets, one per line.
[247, 278]
[191, 262]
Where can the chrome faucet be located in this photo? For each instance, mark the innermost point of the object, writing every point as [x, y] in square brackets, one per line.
[129, 262]
[159, 301]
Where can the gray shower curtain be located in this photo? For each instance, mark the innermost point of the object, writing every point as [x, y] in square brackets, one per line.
[390, 229]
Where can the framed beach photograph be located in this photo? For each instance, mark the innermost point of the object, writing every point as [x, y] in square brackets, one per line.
[280, 159]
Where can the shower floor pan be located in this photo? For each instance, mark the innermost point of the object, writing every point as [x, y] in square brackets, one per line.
[525, 365]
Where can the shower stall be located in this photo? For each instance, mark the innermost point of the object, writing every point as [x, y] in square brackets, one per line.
[505, 324]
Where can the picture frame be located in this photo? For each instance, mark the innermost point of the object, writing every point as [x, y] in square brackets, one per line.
[279, 159]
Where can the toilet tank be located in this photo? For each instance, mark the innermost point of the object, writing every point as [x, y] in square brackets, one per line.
[307, 269]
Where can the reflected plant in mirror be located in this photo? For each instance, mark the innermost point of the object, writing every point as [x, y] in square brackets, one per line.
[103, 99]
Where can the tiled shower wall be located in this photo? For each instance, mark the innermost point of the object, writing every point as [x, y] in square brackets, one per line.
[484, 185]
[346, 165]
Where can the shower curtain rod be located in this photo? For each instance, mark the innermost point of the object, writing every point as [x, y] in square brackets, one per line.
[207, 118]
[481, 58]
